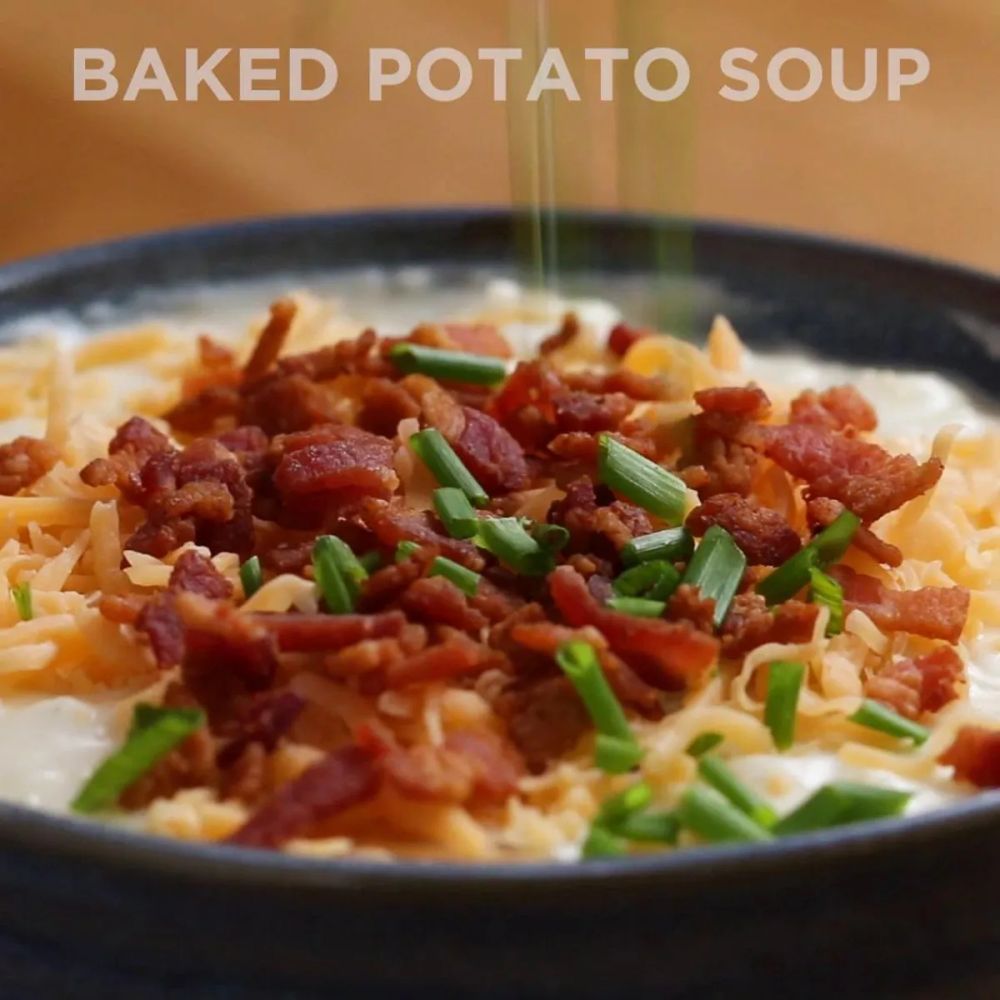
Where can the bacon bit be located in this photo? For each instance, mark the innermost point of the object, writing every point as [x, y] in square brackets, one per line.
[335, 457]
[822, 512]
[272, 338]
[764, 535]
[623, 336]
[361, 356]
[23, 461]
[204, 500]
[750, 623]
[383, 405]
[687, 604]
[122, 609]
[245, 440]
[436, 600]
[202, 412]
[343, 779]
[162, 625]
[591, 412]
[370, 655]
[673, 653]
[489, 452]
[923, 684]
[262, 722]
[319, 633]
[392, 525]
[568, 331]
[934, 612]
[456, 656]
[195, 573]
[212, 354]
[429, 773]
[476, 338]
[582, 446]
[641, 388]
[161, 539]
[496, 765]
[841, 408]
[975, 755]
[135, 443]
[617, 523]
[283, 404]
[749, 401]
[861, 475]
[524, 404]
[245, 777]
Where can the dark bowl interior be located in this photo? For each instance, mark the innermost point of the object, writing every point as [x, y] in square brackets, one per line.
[905, 906]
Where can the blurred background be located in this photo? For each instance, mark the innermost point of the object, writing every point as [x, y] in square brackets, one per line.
[920, 174]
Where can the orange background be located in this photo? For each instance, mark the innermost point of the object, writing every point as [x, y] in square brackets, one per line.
[921, 174]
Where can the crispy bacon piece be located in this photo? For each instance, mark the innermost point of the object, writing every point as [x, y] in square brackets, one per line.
[383, 405]
[934, 612]
[822, 512]
[861, 475]
[392, 525]
[370, 655]
[319, 633]
[130, 451]
[922, 684]
[342, 779]
[162, 625]
[284, 404]
[764, 535]
[588, 523]
[272, 338]
[496, 765]
[840, 408]
[568, 331]
[668, 654]
[475, 338]
[749, 401]
[750, 623]
[360, 356]
[429, 773]
[436, 600]
[456, 656]
[24, 460]
[641, 388]
[262, 721]
[975, 755]
[623, 336]
[581, 446]
[194, 573]
[202, 412]
[489, 452]
[686, 604]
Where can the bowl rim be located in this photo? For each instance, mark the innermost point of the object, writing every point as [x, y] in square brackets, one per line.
[73, 839]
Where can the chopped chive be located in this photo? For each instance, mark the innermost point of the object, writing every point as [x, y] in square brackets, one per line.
[631, 800]
[155, 732]
[640, 480]
[716, 772]
[453, 366]
[703, 743]
[337, 590]
[656, 580]
[716, 569]
[509, 541]
[551, 537]
[655, 828]
[21, 596]
[371, 561]
[671, 545]
[825, 590]
[456, 513]
[347, 563]
[840, 803]
[446, 467]
[875, 715]
[826, 548]
[404, 550]
[640, 607]
[784, 681]
[465, 579]
[617, 750]
[251, 576]
[602, 843]
[709, 815]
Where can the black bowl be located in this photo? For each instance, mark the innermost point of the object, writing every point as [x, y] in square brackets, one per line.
[883, 908]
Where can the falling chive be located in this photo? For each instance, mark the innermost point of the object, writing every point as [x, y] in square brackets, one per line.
[828, 592]
[155, 732]
[671, 545]
[875, 715]
[716, 569]
[656, 828]
[631, 800]
[404, 550]
[716, 820]
[465, 579]
[784, 681]
[446, 467]
[617, 750]
[338, 591]
[640, 607]
[640, 480]
[716, 772]
[21, 596]
[509, 541]
[826, 548]
[703, 743]
[602, 843]
[456, 513]
[656, 580]
[452, 366]
[840, 803]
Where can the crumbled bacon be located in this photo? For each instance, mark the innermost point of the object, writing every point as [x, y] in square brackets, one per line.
[304, 633]
[568, 331]
[822, 512]
[162, 625]
[23, 461]
[623, 336]
[262, 722]
[588, 522]
[749, 401]
[195, 573]
[934, 612]
[272, 338]
[383, 405]
[456, 656]
[489, 452]
[764, 535]
[840, 408]
[750, 623]
[921, 684]
[975, 756]
[437, 600]
[687, 604]
[392, 525]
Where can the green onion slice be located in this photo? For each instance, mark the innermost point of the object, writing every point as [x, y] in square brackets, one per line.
[434, 451]
[784, 681]
[465, 579]
[509, 541]
[251, 576]
[633, 799]
[453, 366]
[875, 715]
[602, 843]
[640, 480]
[840, 803]
[335, 578]
[716, 820]
[155, 732]
[826, 548]
[656, 580]
[615, 755]
[825, 590]
[716, 772]
[654, 828]
[640, 607]
[703, 743]
[456, 513]
[21, 596]
[716, 569]
[671, 545]
[404, 550]
[551, 537]
[371, 561]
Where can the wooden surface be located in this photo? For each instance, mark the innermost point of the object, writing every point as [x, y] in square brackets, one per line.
[921, 174]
